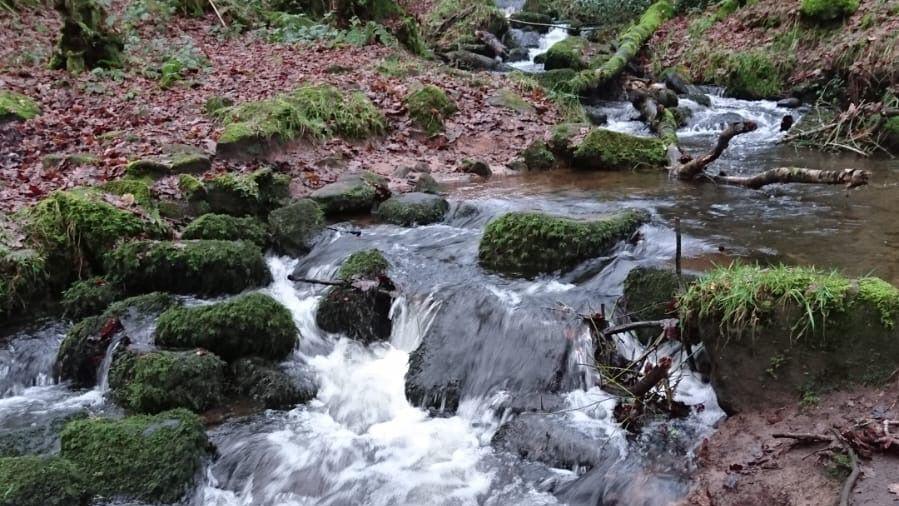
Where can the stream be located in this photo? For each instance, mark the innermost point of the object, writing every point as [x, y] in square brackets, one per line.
[521, 365]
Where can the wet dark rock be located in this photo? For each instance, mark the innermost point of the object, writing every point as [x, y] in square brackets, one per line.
[519, 54]
[295, 227]
[720, 121]
[361, 308]
[700, 98]
[426, 183]
[531, 21]
[676, 82]
[263, 382]
[596, 116]
[352, 193]
[786, 123]
[40, 437]
[414, 208]
[789, 103]
[665, 97]
[468, 60]
[650, 294]
[476, 167]
[549, 439]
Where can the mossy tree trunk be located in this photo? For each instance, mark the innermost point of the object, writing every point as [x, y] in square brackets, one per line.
[86, 41]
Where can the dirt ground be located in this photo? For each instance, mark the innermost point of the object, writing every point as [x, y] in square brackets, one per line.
[742, 464]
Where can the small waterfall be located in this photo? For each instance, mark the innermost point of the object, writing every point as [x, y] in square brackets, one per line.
[103, 370]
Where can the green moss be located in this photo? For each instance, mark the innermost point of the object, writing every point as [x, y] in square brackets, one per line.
[55, 160]
[605, 149]
[42, 481]
[352, 193]
[15, 106]
[224, 227]
[566, 54]
[527, 244]
[191, 187]
[294, 227]
[203, 267]
[241, 194]
[89, 297]
[264, 383]
[253, 324]
[411, 209]
[162, 380]
[138, 188]
[86, 41]
[152, 458]
[749, 74]
[557, 79]
[147, 167]
[537, 156]
[366, 264]
[399, 65]
[651, 294]
[828, 10]
[510, 100]
[76, 227]
[24, 279]
[216, 103]
[85, 344]
[429, 107]
[312, 112]
[453, 23]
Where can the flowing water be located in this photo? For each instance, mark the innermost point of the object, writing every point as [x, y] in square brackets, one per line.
[517, 362]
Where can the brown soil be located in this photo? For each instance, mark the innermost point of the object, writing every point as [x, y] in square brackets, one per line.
[742, 464]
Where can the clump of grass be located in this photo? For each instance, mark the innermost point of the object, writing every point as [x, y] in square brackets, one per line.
[429, 107]
[397, 65]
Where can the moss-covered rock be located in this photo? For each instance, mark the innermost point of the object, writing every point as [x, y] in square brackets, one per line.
[428, 107]
[312, 112]
[776, 334]
[151, 458]
[605, 149]
[163, 380]
[263, 382]
[750, 75]
[537, 156]
[198, 267]
[508, 99]
[89, 297]
[476, 167]
[566, 54]
[828, 10]
[139, 189]
[75, 228]
[39, 437]
[249, 325]
[294, 227]
[453, 23]
[557, 79]
[650, 293]
[411, 209]
[526, 244]
[85, 344]
[17, 107]
[42, 481]
[180, 159]
[360, 310]
[241, 194]
[24, 280]
[224, 227]
[87, 41]
[352, 193]
[425, 183]
[54, 160]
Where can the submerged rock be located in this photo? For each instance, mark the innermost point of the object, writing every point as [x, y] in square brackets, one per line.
[224, 227]
[361, 309]
[201, 267]
[411, 209]
[650, 293]
[43, 481]
[265, 383]
[789, 103]
[249, 325]
[150, 458]
[352, 193]
[781, 334]
[39, 437]
[163, 380]
[546, 438]
[294, 227]
[527, 244]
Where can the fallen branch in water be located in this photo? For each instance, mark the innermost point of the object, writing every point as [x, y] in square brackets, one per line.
[295, 279]
[851, 178]
[654, 375]
[695, 167]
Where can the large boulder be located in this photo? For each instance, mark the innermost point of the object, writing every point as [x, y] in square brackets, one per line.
[86, 343]
[605, 149]
[527, 244]
[202, 267]
[411, 209]
[42, 481]
[650, 293]
[294, 227]
[352, 193]
[149, 458]
[361, 308]
[162, 380]
[255, 193]
[566, 54]
[263, 382]
[224, 227]
[779, 335]
[249, 325]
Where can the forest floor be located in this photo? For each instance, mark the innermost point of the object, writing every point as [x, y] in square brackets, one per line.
[121, 115]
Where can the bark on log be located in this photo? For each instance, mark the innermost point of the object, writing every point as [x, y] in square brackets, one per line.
[850, 177]
[492, 42]
[693, 168]
[653, 377]
[628, 46]
[661, 121]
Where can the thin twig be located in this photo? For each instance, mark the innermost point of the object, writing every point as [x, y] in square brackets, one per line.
[853, 476]
[217, 13]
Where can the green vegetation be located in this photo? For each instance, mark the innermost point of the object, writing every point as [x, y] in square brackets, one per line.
[828, 10]
[537, 156]
[751, 75]
[202, 267]
[161, 380]
[137, 188]
[86, 41]
[312, 112]
[429, 107]
[453, 23]
[411, 209]
[294, 227]
[605, 149]
[23, 279]
[651, 294]
[151, 458]
[250, 325]
[366, 264]
[566, 54]
[15, 106]
[224, 227]
[399, 65]
[255, 193]
[42, 481]
[264, 383]
[527, 244]
[89, 297]
[359, 313]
